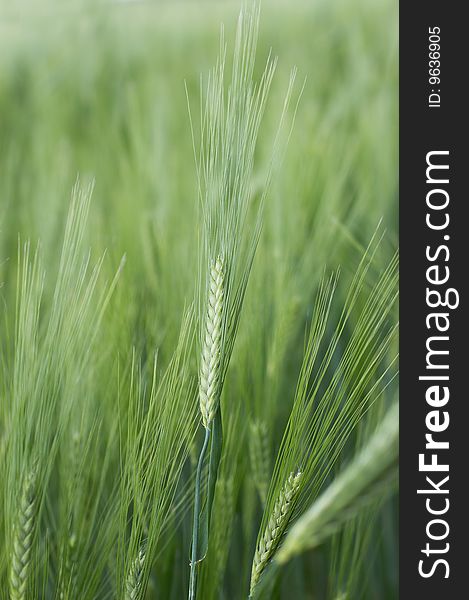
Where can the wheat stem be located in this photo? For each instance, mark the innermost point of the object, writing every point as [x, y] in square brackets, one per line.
[209, 376]
[275, 527]
[195, 525]
[23, 538]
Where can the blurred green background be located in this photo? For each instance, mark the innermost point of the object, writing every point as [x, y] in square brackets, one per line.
[97, 89]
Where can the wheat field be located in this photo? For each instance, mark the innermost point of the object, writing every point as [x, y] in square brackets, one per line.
[199, 286]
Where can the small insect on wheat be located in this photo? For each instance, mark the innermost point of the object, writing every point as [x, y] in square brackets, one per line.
[275, 527]
[133, 584]
[209, 377]
[23, 538]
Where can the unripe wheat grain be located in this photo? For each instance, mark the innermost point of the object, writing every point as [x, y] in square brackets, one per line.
[23, 539]
[275, 527]
[134, 578]
[209, 377]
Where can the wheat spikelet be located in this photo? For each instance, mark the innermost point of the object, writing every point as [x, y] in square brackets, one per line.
[23, 539]
[259, 456]
[209, 377]
[275, 527]
[133, 584]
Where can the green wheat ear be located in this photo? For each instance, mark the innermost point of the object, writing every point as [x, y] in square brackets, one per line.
[370, 475]
[275, 527]
[133, 584]
[23, 538]
[209, 377]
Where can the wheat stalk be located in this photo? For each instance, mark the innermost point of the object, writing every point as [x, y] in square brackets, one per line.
[209, 377]
[23, 538]
[275, 527]
[133, 584]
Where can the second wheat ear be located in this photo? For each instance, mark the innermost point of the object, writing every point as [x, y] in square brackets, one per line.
[133, 584]
[275, 527]
[23, 539]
